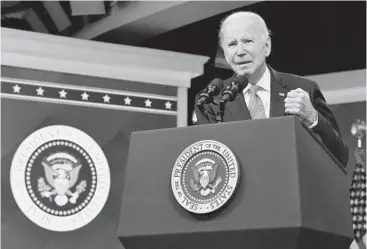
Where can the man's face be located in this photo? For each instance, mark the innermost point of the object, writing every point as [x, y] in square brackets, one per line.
[246, 45]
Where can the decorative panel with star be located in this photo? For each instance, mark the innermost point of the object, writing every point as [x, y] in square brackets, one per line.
[88, 96]
[107, 110]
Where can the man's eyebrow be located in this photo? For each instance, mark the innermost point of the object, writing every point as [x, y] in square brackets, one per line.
[248, 37]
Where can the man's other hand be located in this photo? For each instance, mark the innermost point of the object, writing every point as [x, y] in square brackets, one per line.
[298, 103]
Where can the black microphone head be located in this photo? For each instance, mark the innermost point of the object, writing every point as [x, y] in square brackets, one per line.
[237, 86]
[212, 89]
[217, 84]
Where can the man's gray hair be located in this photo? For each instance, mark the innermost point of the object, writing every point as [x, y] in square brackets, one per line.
[220, 32]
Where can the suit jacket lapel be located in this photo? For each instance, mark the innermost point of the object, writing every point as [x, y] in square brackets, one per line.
[278, 92]
[238, 108]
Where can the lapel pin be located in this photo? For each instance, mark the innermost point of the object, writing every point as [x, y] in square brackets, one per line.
[281, 94]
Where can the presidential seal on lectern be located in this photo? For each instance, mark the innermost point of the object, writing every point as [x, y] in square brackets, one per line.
[205, 177]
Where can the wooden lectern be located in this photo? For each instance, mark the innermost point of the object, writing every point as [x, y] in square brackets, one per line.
[292, 194]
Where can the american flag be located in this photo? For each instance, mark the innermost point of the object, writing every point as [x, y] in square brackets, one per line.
[358, 204]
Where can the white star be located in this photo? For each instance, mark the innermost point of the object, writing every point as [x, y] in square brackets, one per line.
[168, 105]
[16, 89]
[40, 91]
[127, 101]
[63, 94]
[85, 96]
[148, 103]
[106, 99]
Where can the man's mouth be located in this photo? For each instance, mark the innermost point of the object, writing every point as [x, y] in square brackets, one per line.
[243, 62]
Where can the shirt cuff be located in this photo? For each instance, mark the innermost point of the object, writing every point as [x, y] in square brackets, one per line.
[315, 122]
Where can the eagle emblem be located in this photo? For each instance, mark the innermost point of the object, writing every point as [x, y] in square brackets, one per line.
[61, 172]
[205, 172]
[205, 176]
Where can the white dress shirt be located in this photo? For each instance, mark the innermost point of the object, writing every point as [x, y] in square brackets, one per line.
[264, 94]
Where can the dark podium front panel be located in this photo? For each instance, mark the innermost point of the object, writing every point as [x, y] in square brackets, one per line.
[291, 194]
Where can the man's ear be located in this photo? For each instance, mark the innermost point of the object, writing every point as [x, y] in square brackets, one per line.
[268, 46]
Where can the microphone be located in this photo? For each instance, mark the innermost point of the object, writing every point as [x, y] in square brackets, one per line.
[210, 91]
[231, 91]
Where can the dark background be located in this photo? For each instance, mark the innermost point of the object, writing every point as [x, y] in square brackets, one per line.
[308, 38]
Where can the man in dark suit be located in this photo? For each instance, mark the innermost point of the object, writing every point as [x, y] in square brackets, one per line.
[246, 43]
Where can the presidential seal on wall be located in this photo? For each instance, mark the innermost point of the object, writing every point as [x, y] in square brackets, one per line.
[205, 177]
[60, 178]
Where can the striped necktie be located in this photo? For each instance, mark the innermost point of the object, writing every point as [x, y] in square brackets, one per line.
[256, 106]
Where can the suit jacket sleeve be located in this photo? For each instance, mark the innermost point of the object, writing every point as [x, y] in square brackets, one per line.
[327, 128]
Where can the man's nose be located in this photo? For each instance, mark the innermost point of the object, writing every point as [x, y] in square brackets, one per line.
[241, 50]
